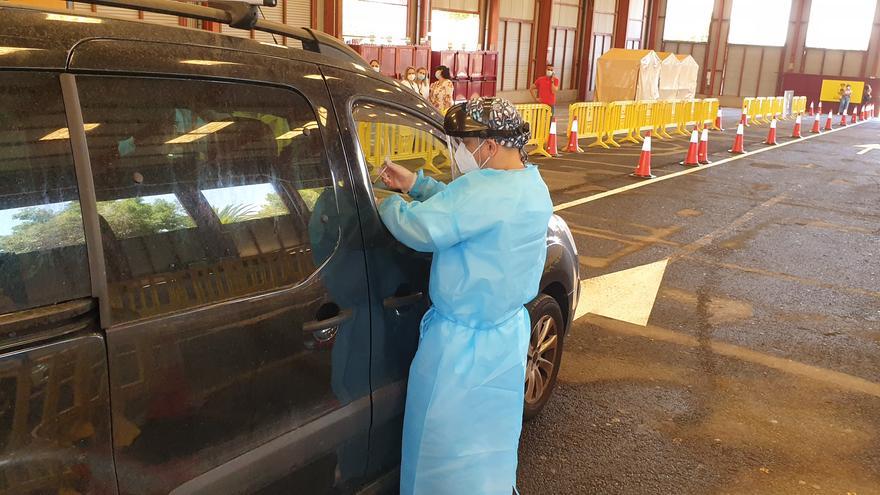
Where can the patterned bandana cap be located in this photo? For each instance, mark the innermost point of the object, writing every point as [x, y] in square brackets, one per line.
[502, 116]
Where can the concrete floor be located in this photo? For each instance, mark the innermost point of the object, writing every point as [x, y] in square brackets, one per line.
[759, 369]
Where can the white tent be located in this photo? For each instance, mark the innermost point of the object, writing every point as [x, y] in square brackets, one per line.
[687, 78]
[627, 75]
[670, 73]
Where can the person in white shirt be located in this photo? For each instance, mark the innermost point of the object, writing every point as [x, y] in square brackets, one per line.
[423, 83]
[409, 79]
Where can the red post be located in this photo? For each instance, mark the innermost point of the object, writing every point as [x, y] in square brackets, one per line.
[493, 20]
[586, 44]
[542, 36]
[424, 15]
[621, 21]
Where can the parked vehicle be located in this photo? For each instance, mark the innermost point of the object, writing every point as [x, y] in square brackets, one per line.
[196, 292]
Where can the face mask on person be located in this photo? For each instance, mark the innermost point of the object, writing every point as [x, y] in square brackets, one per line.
[465, 160]
[422, 77]
[437, 74]
[410, 77]
[549, 73]
[375, 68]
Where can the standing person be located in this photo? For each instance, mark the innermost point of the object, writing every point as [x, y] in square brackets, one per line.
[867, 97]
[374, 64]
[845, 96]
[441, 91]
[487, 230]
[423, 83]
[545, 88]
[409, 79]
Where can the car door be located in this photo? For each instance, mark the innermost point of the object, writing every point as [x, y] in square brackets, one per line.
[235, 295]
[54, 406]
[385, 121]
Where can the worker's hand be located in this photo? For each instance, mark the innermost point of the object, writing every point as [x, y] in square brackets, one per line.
[397, 177]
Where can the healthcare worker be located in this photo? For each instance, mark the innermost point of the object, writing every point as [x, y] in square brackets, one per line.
[487, 230]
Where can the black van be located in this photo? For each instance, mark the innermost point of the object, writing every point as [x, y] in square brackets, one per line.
[196, 292]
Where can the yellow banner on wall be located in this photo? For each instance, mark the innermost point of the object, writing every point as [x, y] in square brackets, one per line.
[832, 89]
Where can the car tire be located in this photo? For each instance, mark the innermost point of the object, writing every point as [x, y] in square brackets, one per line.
[542, 366]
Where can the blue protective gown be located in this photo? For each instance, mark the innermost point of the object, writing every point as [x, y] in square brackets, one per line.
[464, 402]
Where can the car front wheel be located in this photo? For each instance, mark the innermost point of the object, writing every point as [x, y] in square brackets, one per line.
[545, 353]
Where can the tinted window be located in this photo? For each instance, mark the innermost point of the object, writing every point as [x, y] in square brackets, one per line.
[408, 140]
[42, 246]
[205, 189]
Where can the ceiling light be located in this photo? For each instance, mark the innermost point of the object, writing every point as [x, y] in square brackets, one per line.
[199, 133]
[208, 62]
[64, 133]
[73, 18]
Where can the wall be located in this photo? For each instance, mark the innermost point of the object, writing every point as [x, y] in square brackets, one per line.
[731, 72]
[515, 36]
[456, 5]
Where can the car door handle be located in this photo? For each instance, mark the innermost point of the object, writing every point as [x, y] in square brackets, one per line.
[324, 330]
[398, 302]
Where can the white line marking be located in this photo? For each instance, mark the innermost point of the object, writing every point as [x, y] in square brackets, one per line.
[612, 192]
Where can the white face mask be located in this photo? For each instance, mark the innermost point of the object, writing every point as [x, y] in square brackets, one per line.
[376, 69]
[411, 77]
[465, 160]
[422, 77]
[549, 73]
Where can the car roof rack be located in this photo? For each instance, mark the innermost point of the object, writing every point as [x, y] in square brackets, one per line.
[241, 14]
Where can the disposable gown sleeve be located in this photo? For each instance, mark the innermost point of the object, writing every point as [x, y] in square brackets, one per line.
[425, 187]
[445, 219]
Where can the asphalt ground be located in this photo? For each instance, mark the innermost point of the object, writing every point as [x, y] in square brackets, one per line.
[758, 371]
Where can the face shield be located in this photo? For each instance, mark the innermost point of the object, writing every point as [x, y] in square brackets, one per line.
[461, 158]
[482, 119]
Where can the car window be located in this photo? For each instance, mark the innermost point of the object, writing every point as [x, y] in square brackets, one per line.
[408, 140]
[205, 189]
[43, 258]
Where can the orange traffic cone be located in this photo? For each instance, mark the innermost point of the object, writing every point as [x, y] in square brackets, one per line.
[796, 133]
[828, 123]
[551, 142]
[864, 115]
[815, 129]
[843, 118]
[573, 138]
[812, 114]
[703, 150]
[771, 135]
[719, 126]
[819, 111]
[855, 117]
[691, 159]
[738, 142]
[643, 170]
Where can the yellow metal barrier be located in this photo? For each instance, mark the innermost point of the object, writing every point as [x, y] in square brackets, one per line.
[591, 121]
[646, 112]
[799, 105]
[754, 108]
[761, 109]
[710, 108]
[687, 114]
[779, 108]
[399, 143]
[667, 117]
[621, 119]
[538, 117]
[748, 103]
[767, 109]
